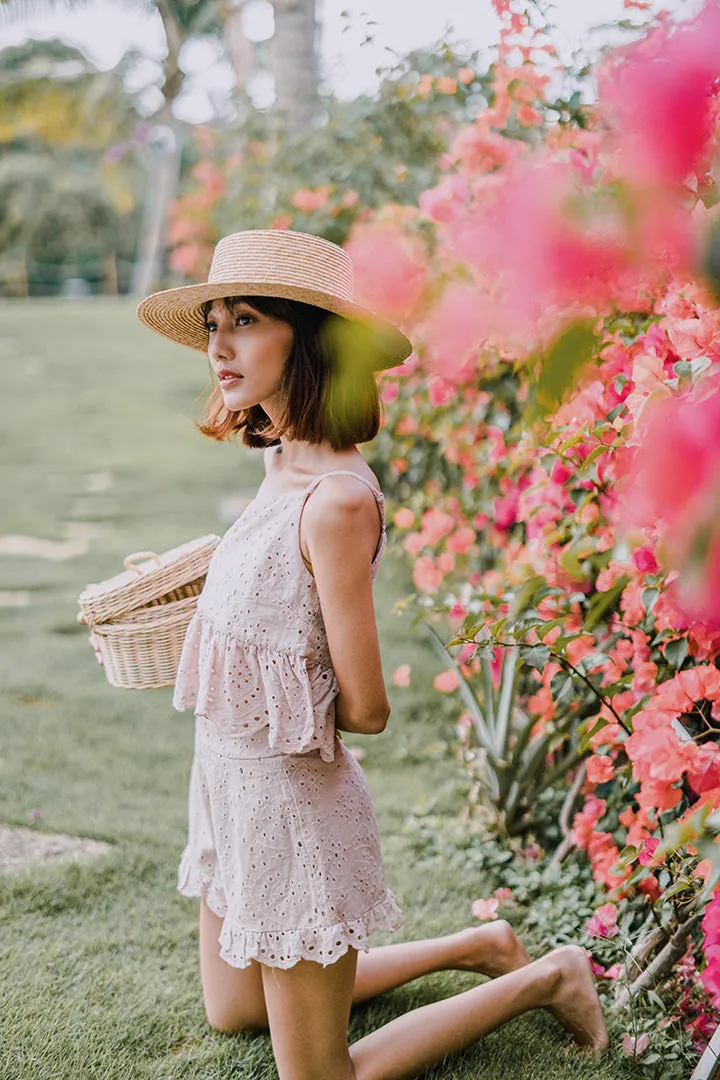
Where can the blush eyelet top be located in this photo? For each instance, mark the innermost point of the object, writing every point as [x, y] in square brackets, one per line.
[255, 654]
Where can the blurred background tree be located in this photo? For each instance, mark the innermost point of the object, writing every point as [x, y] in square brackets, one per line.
[63, 211]
[100, 188]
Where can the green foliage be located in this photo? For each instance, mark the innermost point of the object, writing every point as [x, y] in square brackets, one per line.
[383, 148]
[550, 906]
[513, 765]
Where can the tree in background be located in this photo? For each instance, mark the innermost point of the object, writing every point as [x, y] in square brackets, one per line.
[59, 204]
[294, 67]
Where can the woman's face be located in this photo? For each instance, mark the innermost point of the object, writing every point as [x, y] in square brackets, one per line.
[253, 346]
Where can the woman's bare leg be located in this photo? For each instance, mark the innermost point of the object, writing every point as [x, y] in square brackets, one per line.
[234, 998]
[309, 1007]
[491, 949]
[561, 981]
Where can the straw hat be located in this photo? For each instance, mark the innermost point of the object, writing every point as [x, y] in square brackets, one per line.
[272, 262]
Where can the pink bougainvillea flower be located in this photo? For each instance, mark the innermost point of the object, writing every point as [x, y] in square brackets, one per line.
[595, 928]
[647, 851]
[445, 84]
[599, 769]
[307, 200]
[447, 681]
[645, 560]
[454, 332]
[656, 95]
[401, 675]
[404, 518]
[664, 478]
[485, 909]
[674, 484]
[505, 896]
[704, 774]
[635, 1045]
[436, 524]
[426, 575]
[604, 922]
[542, 243]
[390, 269]
[692, 338]
[650, 886]
[585, 821]
[656, 751]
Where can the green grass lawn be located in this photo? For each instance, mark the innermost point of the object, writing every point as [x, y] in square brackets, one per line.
[98, 962]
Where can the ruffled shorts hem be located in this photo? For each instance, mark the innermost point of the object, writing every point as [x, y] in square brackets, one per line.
[195, 882]
[283, 948]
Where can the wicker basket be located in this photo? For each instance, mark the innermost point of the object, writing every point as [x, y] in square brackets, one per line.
[140, 616]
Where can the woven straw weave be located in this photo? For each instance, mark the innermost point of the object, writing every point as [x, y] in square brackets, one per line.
[273, 262]
[139, 617]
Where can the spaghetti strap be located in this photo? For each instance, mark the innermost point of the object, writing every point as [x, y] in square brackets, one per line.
[311, 486]
[379, 497]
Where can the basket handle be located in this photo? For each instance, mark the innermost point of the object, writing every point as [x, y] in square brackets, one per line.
[140, 555]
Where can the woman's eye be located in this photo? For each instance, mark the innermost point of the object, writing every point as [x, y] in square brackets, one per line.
[211, 326]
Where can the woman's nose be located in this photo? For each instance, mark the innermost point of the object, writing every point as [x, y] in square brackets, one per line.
[220, 346]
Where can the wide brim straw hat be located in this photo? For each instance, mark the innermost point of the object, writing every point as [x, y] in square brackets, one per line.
[273, 262]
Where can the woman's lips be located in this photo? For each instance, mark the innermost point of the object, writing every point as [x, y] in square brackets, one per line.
[229, 380]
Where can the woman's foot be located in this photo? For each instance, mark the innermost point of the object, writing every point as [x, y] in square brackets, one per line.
[492, 949]
[574, 1000]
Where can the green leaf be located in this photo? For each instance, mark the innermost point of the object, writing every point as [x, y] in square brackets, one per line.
[561, 364]
[590, 661]
[600, 723]
[676, 651]
[596, 454]
[648, 597]
[561, 685]
[535, 656]
[603, 602]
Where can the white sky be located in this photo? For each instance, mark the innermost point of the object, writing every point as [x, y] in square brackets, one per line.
[106, 28]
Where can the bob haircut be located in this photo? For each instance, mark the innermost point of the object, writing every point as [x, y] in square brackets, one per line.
[328, 385]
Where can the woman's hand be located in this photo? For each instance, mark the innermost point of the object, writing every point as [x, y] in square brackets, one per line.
[93, 639]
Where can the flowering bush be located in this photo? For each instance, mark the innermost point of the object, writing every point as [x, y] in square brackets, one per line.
[555, 447]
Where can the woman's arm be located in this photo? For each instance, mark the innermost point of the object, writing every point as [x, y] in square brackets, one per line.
[341, 531]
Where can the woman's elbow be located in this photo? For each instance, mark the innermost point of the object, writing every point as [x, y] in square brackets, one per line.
[378, 723]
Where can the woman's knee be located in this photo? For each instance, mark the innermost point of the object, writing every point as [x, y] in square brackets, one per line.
[234, 998]
[230, 1022]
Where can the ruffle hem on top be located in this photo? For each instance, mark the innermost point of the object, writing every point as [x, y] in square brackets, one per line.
[244, 686]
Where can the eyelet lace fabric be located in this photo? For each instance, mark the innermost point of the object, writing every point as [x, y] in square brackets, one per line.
[255, 653]
[283, 842]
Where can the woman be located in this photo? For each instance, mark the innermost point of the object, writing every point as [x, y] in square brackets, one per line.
[281, 656]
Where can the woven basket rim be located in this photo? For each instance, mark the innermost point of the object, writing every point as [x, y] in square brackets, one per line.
[128, 590]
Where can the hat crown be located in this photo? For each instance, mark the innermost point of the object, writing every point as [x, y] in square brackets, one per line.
[283, 257]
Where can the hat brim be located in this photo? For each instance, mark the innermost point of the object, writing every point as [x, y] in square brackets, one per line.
[177, 315]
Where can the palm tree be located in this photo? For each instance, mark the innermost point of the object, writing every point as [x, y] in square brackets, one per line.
[295, 63]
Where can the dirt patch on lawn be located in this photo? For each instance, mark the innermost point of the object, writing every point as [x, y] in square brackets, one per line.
[21, 848]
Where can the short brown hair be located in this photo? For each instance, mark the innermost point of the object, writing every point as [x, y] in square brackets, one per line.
[329, 385]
